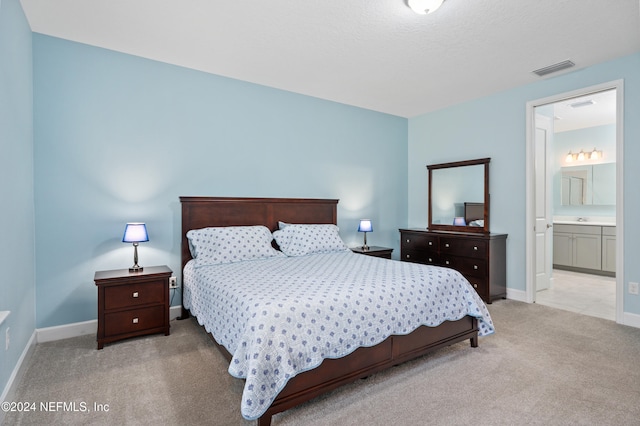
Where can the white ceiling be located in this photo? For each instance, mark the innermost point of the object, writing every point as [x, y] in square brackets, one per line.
[374, 54]
[601, 111]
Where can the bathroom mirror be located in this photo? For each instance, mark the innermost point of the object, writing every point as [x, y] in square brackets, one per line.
[459, 196]
[588, 185]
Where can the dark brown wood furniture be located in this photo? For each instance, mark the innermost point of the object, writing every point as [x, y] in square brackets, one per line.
[201, 212]
[375, 251]
[481, 258]
[456, 186]
[460, 189]
[132, 303]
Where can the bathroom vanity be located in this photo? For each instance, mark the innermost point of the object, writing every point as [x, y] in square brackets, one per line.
[585, 247]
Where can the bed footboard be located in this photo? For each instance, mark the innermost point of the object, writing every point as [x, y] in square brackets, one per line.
[365, 361]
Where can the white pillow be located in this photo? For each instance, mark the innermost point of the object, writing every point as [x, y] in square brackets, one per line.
[228, 244]
[300, 240]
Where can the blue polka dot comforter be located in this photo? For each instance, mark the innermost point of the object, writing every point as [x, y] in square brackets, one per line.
[281, 316]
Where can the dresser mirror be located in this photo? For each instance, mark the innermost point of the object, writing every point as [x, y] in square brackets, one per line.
[459, 196]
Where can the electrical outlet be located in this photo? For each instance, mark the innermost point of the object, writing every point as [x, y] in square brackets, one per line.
[173, 282]
[7, 339]
[633, 288]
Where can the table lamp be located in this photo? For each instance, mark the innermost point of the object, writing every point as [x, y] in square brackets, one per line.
[135, 233]
[365, 226]
[459, 221]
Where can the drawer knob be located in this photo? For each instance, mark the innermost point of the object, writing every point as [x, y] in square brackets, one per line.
[408, 256]
[446, 245]
[446, 261]
[135, 294]
[408, 240]
[430, 260]
[475, 266]
[430, 243]
[475, 286]
[475, 248]
[135, 320]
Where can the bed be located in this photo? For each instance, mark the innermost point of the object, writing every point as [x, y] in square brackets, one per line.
[331, 372]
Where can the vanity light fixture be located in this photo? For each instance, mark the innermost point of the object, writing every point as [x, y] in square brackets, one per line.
[424, 7]
[135, 232]
[582, 156]
[365, 226]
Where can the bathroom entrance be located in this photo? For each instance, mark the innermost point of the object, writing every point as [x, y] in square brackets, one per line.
[574, 144]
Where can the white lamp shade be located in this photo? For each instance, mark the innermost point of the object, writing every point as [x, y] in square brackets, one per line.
[459, 221]
[135, 233]
[365, 226]
[424, 6]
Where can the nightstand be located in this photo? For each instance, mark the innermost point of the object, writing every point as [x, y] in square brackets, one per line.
[374, 251]
[132, 303]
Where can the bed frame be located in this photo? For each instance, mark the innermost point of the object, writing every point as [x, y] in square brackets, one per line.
[201, 212]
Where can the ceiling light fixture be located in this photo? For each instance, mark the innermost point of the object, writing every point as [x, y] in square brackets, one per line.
[424, 7]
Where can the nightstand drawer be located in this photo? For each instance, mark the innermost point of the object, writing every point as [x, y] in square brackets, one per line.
[136, 294]
[134, 320]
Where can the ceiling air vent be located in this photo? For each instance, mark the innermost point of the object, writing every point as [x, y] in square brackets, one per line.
[581, 104]
[554, 68]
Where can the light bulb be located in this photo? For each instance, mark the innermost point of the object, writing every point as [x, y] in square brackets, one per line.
[424, 6]
[569, 157]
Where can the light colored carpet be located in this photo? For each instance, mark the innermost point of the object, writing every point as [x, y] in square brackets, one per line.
[542, 367]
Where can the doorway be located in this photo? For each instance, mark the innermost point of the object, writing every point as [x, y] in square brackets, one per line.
[547, 120]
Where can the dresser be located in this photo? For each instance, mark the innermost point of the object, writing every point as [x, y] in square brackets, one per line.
[132, 303]
[481, 258]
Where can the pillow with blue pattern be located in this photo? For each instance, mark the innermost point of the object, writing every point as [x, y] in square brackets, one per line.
[300, 240]
[228, 244]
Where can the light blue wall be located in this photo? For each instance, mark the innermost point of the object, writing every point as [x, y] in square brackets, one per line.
[601, 137]
[17, 251]
[119, 138]
[494, 127]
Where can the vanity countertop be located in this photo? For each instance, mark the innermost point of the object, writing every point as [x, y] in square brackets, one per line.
[593, 221]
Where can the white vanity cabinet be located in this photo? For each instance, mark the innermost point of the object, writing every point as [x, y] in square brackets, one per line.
[588, 248]
[609, 248]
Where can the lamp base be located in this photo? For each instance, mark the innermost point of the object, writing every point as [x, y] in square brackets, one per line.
[365, 248]
[136, 268]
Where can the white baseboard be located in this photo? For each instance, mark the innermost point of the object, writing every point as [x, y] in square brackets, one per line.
[632, 320]
[518, 295]
[8, 394]
[59, 332]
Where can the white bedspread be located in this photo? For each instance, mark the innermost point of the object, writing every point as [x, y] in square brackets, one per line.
[282, 316]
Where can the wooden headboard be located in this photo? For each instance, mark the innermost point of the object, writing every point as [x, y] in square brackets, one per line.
[203, 212]
[473, 211]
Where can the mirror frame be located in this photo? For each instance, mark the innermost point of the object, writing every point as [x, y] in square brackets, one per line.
[474, 229]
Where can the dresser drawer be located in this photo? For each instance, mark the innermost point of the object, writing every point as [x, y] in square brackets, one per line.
[417, 256]
[423, 242]
[463, 247]
[134, 320]
[480, 285]
[135, 294]
[466, 265]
